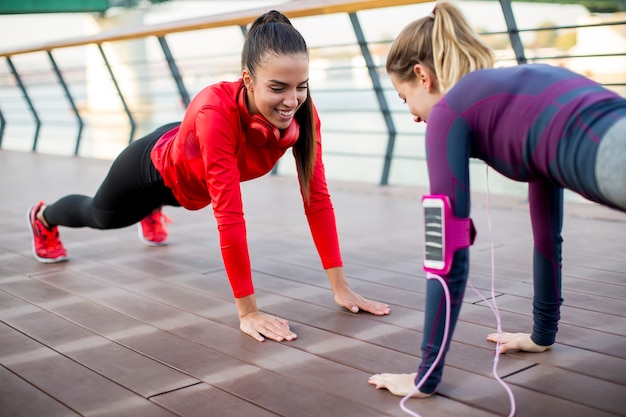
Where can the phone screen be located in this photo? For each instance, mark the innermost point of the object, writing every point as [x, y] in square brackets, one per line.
[434, 238]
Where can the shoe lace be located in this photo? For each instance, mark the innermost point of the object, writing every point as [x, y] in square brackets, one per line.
[157, 221]
[49, 237]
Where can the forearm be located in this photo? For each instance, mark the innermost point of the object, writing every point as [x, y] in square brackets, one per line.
[234, 248]
[323, 228]
[546, 211]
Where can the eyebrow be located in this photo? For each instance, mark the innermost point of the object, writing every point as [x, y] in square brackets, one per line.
[284, 83]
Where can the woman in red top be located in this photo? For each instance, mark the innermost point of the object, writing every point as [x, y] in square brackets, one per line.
[231, 132]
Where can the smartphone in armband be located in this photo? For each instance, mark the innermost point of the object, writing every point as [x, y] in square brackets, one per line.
[444, 234]
[434, 232]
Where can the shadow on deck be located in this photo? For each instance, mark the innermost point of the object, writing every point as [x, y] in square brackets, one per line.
[127, 330]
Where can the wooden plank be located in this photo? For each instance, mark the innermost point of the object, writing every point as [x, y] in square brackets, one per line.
[18, 398]
[355, 353]
[488, 394]
[129, 369]
[203, 400]
[388, 338]
[562, 383]
[329, 319]
[229, 371]
[75, 386]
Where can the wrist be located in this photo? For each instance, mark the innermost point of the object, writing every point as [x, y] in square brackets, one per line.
[246, 305]
[337, 279]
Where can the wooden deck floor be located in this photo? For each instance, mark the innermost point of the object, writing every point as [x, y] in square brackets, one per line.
[127, 330]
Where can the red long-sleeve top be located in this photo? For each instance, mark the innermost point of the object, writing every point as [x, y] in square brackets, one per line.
[204, 160]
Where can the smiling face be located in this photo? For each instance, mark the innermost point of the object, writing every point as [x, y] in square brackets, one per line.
[278, 88]
[420, 94]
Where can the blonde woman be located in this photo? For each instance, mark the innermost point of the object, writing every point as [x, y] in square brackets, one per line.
[539, 124]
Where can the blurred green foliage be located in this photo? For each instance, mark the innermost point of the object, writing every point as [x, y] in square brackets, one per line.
[132, 3]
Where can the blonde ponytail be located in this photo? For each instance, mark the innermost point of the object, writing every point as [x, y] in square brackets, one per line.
[443, 42]
[457, 48]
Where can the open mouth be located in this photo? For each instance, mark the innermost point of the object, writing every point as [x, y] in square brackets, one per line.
[285, 114]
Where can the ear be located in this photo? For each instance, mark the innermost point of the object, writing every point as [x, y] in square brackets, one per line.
[425, 78]
[247, 79]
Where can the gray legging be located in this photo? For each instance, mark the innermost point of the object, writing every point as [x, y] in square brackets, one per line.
[611, 164]
[132, 189]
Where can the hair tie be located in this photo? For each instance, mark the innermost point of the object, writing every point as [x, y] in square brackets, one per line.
[432, 16]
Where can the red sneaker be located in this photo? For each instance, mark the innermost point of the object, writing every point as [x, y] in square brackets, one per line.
[152, 229]
[47, 246]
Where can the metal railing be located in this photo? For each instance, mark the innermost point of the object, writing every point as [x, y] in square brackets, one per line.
[90, 96]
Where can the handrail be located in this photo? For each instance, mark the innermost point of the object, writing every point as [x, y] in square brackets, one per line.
[241, 18]
[365, 98]
[299, 8]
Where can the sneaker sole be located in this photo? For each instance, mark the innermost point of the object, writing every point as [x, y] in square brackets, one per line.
[37, 257]
[149, 242]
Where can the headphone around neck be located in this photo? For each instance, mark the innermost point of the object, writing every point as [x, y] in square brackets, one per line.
[261, 132]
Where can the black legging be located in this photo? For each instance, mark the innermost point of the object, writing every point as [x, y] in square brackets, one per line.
[132, 189]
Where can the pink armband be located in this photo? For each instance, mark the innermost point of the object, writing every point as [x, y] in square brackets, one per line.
[444, 234]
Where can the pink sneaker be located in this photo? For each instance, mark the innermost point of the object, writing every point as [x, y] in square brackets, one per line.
[152, 229]
[47, 246]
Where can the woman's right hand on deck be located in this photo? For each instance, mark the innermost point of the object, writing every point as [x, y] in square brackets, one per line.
[258, 325]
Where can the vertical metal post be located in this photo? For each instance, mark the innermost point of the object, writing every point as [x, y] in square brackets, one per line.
[380, 97]
[182, 90]
[133, 125]
[57, 71]
[22, 87]
[3, 124]
[511, 25]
